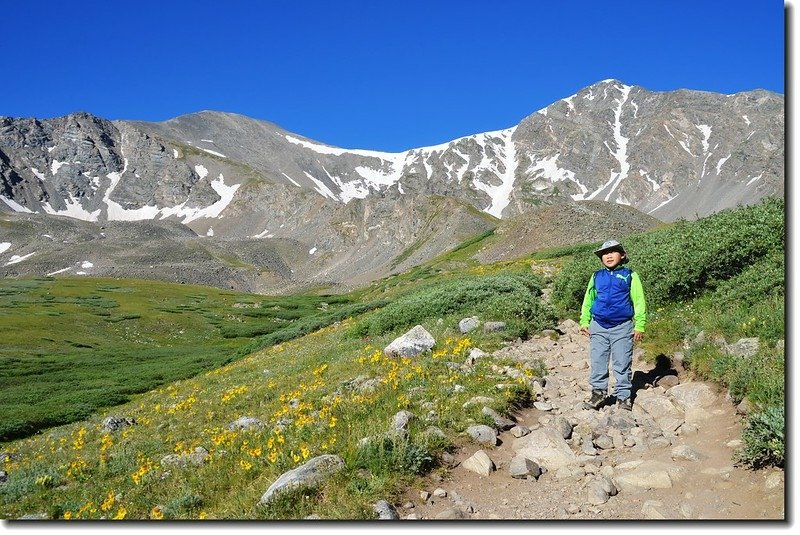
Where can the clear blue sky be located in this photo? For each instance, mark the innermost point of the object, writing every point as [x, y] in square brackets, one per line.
[372, 74]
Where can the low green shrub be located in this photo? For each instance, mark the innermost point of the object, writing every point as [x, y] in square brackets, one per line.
[764, 439]
[505, 296]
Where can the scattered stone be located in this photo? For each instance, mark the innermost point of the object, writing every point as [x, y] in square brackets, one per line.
[604, 442]
[412, 516]
[547, 447]
[573, 509]
[570, 472]
[653, 510]
[522, 467]
[744, 347]
[502, 423]
[493, 326]
[115, 423]
[474, 355]
[668, 381]
[468, 324]
[434, 433]
[408, 505]
[411, 344]
[477, 400]
[385, 511]
[693, 395]
[401, 419]
[735, 443]
[245, 423]
[451, 513]
[745, 407]
[543, 406]
[425, 495]
[597, 494]
[480, 463]
[774, 480]
[440, 493]
[519, 431]
[312, 472]
[483, 434]
[687, 453]
[3, 476]
[644, 475]
[196, 458]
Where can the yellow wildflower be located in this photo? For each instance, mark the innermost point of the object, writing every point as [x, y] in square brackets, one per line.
[121, 512]
[108, 503]
[156, 513]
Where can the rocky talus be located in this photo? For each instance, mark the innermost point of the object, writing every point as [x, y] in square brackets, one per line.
[671, 457]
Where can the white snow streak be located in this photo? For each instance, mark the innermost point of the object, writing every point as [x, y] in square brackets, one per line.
[175, 153]
[656, 185]
[321, 188]
[59, 271]
[17, 259]
[754, 179]
[706, 130]
[293, 181]
[312, 250]
[500, 195]
[621, 154]
[201, 171]
[38, 174]
[662, 204]
[74, 209]
[56, 165]
[225, 192]
[212, 152]
[210, 231]
[14, 205]
[746, 119]
[208, 140]
[4, 246]
[722, 161]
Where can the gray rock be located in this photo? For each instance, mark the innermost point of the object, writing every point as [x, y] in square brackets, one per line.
[480, 463]
[440, 493]
[547, 447]
[312, 472]
[597, 494]
[563, 426]
[519, 431]
[522, 467]
[744, 347]
[411, 344]
[693, 395]
[245, 423]
[500, 422]
[468, 324]
[474, 355]
[775, 480]
[653, 510]
[494, 326]
[401, 420]
[604, 442]
[452, 513]
[687, 453]
[196, 458]
[668, 381]
[483, 434]
[385, 511]
[115, 423]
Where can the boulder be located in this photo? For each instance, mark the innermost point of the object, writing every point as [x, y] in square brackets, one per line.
[245, 423]
[547, 447]
[468, 324]
[480, 463]
[115, 423]
[385, 511]
[693, 395]
[411, 344]
[312, 472]
[483, 434]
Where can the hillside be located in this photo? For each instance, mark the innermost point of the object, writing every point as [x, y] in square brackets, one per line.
[381, 426]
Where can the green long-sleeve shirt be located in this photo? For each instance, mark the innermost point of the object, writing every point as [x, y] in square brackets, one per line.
[637, 297]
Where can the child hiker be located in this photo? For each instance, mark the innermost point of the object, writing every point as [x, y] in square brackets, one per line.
[614, 316]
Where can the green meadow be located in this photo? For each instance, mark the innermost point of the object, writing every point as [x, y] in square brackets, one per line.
[73, 345]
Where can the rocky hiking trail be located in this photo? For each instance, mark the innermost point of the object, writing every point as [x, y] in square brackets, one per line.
[671, 457]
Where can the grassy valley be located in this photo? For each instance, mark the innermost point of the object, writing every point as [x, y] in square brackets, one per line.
[311, 369]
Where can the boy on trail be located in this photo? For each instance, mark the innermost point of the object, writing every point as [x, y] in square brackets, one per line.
[614, 315]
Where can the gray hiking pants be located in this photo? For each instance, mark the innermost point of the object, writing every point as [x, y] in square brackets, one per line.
[616, 343]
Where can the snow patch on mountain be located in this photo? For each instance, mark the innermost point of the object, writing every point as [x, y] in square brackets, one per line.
[4, 246]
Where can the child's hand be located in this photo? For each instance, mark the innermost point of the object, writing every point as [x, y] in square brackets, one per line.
[638, 336]
[585, 330]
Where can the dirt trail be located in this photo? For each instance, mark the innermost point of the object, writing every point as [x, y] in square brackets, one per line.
[711, 487]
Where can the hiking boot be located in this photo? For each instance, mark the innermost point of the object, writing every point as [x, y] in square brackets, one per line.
[625, 404]
[598, 396]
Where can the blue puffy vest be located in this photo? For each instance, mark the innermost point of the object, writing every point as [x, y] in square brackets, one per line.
[613, 304]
